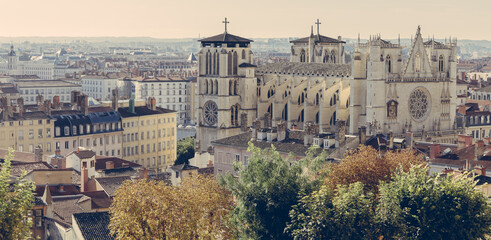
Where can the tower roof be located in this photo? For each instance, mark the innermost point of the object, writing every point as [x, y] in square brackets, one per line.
[12, 52]
[318, 39]
[225, 38]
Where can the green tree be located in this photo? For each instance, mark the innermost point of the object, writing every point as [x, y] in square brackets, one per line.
[415, 205]
[148, 209]
[185, 150]
[346, 213]
[266, 190]
[16, 200]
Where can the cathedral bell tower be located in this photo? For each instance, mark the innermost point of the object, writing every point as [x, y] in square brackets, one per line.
[227, 88]
[12, 60]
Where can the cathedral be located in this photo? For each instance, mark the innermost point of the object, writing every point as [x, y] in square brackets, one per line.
[380, 90]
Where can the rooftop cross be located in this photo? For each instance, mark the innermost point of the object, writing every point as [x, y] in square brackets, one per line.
[225, 24]
[318, 23]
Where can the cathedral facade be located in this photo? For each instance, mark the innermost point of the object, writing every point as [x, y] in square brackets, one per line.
[393, 94]
[381, 90]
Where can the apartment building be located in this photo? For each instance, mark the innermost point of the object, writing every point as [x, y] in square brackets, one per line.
[149, 137]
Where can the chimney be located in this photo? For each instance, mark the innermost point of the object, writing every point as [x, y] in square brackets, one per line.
[109, 165]
[47, 107]
[434, 150]
[310, 129]
[115, 98]
[132, 105]
[256, 125]
[480, 170]
[74, 97]
[85, 179]
[20, 105]
[38, 154]
[143, 173]
[362, 134]
[83, 103]
[56, 102]
[282, 131]
[464, 141]
[39, 100]
[340, 133]
[210, 164]
[243, 122]
[409, 139]
[58, 152]
[152, 103]
[462, 109]
[267, 120]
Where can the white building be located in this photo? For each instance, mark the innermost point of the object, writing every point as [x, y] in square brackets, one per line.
[29, 90]
[99, 87]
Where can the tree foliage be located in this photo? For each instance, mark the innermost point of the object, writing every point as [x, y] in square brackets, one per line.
[16, 199]
[266, 190]
[417, 206]
[185, 150]
[368, 166]
[345, 213]
[148, 209]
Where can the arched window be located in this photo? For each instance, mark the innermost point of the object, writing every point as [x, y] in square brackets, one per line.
[303, 97]
[206, 62]
[317, 99]
[302, 56]
[230, 88]
[270, 110]
[232, 115]
[218, 64]
[301, 117]
[284, 113]
[417, 63]
[235, 63]
[326, 57]
[333, 56]
[211, 87]
[209, 62]
[333, 119]
[236, 90]
[229, 63]
[440, 63]
[317, 118]
[388, 63]
[216, 86]
[214, 63]
[243, 54]
[206, 86]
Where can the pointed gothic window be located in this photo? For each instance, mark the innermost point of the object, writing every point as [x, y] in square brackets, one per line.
[236, 83]
[229, 64]
[317, 118]
[235, 63]
[302, 56]
[301, 117]
[206, 86]
[440, 63]
[284, 113]
[230, 88]
[218, 64]
[206, 62]
[417, 63]
[211, 86]
[333, 56]
[326, 57]
[216, 87]
[214, 64]
[388, 63]
[243, 54]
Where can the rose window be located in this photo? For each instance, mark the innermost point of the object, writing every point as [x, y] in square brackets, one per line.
[419, 104]
[210, 113]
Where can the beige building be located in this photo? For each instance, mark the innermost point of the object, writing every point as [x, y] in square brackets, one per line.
[150, 135]
[24, 131]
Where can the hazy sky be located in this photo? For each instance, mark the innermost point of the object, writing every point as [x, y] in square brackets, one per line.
[248, 18]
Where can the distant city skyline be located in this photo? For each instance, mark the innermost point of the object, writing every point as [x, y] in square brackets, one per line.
[251, 19]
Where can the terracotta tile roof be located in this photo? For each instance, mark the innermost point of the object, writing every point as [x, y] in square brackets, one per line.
[206, 171]
[18, 156]
[100, 163]
[99, 199]
[17, 168]
[64, 207]
[110, 184]
[57, 191]
[94, 225]
[83, 154]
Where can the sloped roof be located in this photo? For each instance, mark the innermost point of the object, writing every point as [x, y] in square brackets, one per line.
[100, 163]
[318, 39]
[84, 154]
[94, 225]
[64, 207]
[226, 38]
[110, 184]
[184, 167]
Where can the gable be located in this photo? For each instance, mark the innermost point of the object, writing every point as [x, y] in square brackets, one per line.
[418, 62]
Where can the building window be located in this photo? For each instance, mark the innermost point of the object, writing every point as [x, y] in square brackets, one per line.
[67, 144]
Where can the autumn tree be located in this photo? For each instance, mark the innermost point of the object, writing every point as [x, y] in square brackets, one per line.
[16, 200]
[369, 166]
[266, 190]
[148, 209]
[415, 205]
